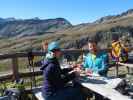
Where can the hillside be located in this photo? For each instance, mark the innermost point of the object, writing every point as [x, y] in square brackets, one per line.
[78, 35]
[121, 24]
[111, 17]
[17, 27]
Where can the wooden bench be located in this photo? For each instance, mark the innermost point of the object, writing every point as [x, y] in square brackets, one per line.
[38, 93]
[4, 98]
[39, 96]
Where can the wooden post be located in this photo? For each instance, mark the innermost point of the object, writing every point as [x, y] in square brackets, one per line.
[15, 71]
[128, 71]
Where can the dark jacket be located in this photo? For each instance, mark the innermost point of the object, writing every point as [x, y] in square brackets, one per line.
[55, 78]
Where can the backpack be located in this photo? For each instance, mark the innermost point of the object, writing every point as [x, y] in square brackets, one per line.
[119, 53]
[121, 87]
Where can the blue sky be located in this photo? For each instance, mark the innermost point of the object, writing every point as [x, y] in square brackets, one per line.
[76, 11]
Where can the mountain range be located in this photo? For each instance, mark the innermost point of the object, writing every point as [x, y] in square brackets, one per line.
[21, 34]
[10, 27]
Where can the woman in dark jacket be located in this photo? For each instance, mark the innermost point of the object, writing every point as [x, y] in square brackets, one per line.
[55, 78]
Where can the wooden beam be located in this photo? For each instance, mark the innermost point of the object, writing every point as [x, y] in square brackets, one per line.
[65, 51]
[126, 64]
[5, 77]
[21, 75]
[15, 71]
[29, 74]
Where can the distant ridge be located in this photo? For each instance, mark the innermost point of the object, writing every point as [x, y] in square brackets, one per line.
[106, 18]
[25, 27]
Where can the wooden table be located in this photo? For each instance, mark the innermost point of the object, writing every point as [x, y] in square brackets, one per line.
[104, 88]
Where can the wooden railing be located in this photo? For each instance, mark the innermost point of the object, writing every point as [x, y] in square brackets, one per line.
[15, 68]
[15, 73]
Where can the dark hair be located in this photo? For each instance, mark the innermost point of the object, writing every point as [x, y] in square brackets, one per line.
[92, 41]
[115, 37]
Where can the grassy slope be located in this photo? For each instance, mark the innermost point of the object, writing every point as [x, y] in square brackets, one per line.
[69, 35]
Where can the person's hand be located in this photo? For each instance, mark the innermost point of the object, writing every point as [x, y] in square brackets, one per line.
[77, 73]
[76, 66]
[88, 72]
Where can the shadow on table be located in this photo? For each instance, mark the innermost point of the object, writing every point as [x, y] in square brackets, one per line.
[92, 80]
